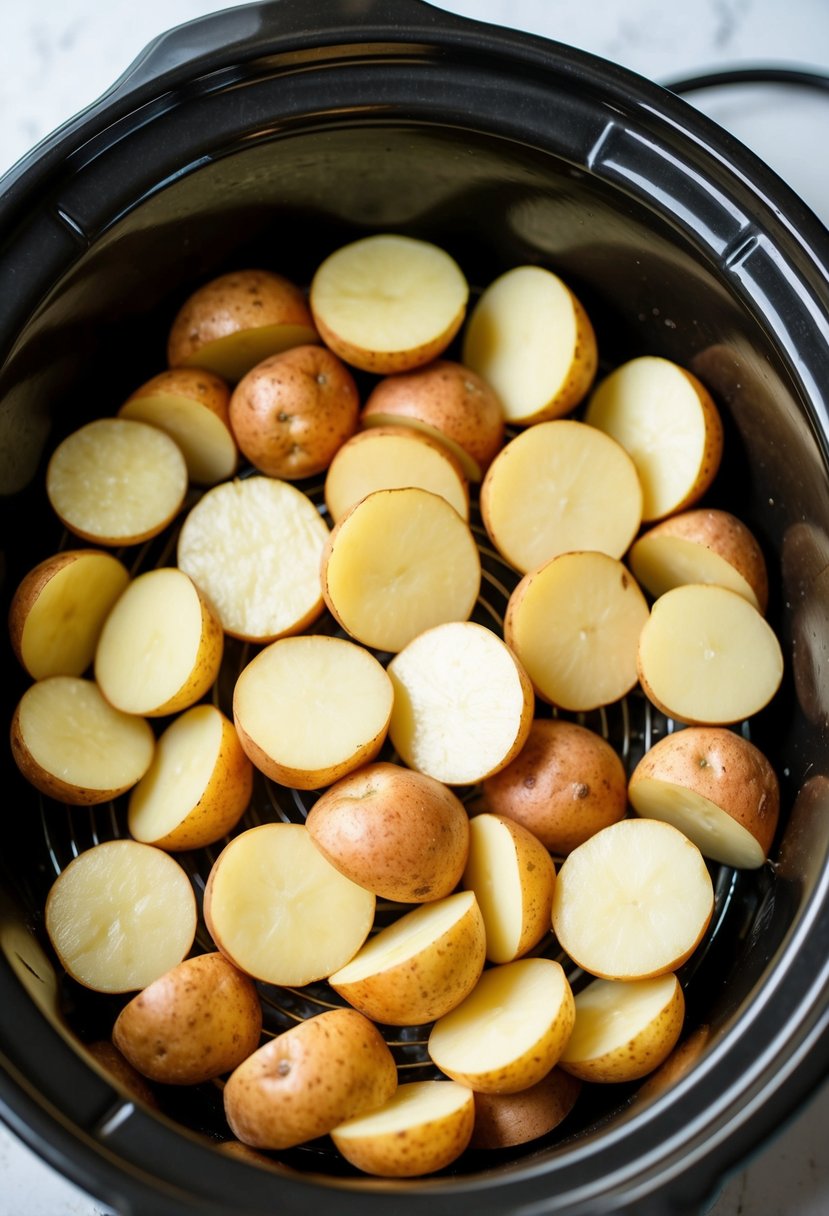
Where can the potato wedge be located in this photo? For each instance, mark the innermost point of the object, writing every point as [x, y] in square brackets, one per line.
[504, 1120]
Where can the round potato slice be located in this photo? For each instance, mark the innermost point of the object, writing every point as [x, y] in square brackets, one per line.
[504, 1120]
[120, 915]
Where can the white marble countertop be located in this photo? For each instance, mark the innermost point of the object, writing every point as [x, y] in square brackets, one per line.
[57, 56]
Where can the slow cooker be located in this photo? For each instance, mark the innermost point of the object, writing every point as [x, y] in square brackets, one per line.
[267, 135]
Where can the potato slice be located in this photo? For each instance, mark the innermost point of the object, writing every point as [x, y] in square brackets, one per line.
[633, 901]
[707, 656]
[504, 1120]
[574, 624]
[294, 734]
[72, 745]
[254, 546]
[161, 646]
[120, 915]
[280, 911]
[530, 338]
[309, 1080]
[701, 546]
[513, 878]
[236, 320]
[420, 966]
[463, 704]
[400, 562]
[624, 1028]
[422, 1128]
[510, 1031]
[388, 303]
[59, 608]
[195, 1022]
[716, 787]
[558, 487]
[116, 481]
[666, 418]
[447, 402]
[198, 785]
[389, 458]
[191, 405]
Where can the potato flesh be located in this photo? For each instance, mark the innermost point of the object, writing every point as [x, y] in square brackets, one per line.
[415, 1102]
[715, 833]
[205, 441]
[401, 562]
[280, 911]
[233, 355]
[624, 1028]
[663, 562]
[120, 915]
[254, 546]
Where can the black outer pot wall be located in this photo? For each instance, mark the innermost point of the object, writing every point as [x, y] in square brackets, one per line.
[743, 299]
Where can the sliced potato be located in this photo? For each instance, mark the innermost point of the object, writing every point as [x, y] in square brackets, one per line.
[633, 901]
[254, 546]
[423, 1127]
[59, 608]
[559, 487]
[280, 911]
[388, 303]
[294, 734]
[397, 563]
[72, 745]
[420, 966]
[120, 915]
[161, 646]
[116, 481]
[463, 704]
[504, 1120]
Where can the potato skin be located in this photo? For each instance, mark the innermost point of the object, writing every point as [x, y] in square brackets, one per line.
[194, 383]
[504, 1120]
[119, 1070]
[196, 1022]
[207, 664]
[643, 1053]
[305, 1081]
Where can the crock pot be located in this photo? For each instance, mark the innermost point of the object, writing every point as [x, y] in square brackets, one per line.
[266, 135]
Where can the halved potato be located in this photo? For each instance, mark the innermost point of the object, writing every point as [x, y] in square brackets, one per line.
[120, 915]
[423, 1127]
[311, 709]
[504, 1120]
[420, 966]
[280, 911]
[72, 745]
[633, 901]
[397, 563]
[463, 704]
[161, 646]
[388, 303]
[58, 610]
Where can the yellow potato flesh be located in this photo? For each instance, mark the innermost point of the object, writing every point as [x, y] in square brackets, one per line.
[663, 562]
[624, 1028]
[715, 833]
[233, 355]
[205, 441]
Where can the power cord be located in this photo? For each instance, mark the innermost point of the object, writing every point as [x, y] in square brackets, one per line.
[751, 74]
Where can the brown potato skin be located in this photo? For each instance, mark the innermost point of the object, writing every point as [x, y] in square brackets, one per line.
[504, 1120]
[119, 1070]
[400, 833]
[566, 783]
[194, 383]
[392, 362]
[292, 412]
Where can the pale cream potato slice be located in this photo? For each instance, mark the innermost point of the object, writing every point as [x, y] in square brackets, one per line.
[198, 785]
[254, 546]
[666, 418]
[624, 1028]
[463, 704]
[420, 966]
[707, 656]
[311, 709]
[400, 562]
[557, 487]
[422, 1128]
[510, 1031]
[513, 877]
[388, 303]
[574, 624]
[504, 1120]
[59, 608]
[121, 915]
[191, 405]
[530, 338]
[280, 911]
[161, 646]
[633, 901]
[71, 744]
[389, 458]
[116, 481]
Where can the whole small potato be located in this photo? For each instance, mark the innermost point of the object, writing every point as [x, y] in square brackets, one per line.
[195, 1022]
[566, 783]
[292, 412]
